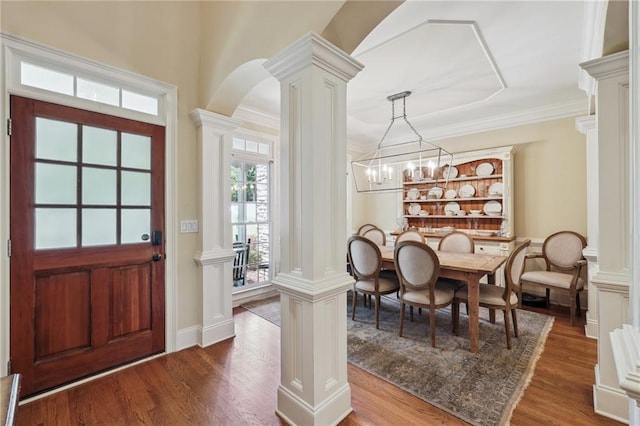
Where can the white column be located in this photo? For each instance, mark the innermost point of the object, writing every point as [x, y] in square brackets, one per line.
[215, 255]
[626, 340]
[612, 277]
[313, 281]
[587, 126]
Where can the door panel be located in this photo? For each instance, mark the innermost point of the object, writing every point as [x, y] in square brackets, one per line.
[87, 284]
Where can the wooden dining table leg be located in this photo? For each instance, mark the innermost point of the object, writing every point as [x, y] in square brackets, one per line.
[473, 292]
[491, 279]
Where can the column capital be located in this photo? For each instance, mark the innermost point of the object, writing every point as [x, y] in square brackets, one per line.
[217, 122]
[586, 123]
[309, 50]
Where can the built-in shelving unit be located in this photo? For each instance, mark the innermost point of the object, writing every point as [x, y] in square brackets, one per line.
[476, 195]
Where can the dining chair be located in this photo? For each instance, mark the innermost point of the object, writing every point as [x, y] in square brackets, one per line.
[496, 297]
[376, 235]
[418, 268]
[410, 235]
[457, 241]
[366, 262]
[562, 253]
[364, 228]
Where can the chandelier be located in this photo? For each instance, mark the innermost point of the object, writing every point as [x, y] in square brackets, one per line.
[403, 159]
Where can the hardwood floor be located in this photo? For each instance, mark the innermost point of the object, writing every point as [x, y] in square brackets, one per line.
[235, 383]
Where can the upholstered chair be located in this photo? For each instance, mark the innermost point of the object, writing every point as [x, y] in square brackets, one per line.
[456, 241]
[410, 235]
[376, 235]
[499, 298]
[364, 228]
[418, 267]
[562, 253]
[365, 260]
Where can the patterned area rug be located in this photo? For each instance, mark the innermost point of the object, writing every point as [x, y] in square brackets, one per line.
[481, 389]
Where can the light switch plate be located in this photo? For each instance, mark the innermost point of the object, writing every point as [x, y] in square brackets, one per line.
[188, 226]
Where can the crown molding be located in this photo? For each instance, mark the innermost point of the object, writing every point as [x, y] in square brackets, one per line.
[613, 65]
[254, 116]
[529, 116]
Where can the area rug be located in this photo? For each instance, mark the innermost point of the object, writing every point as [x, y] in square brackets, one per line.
[481, 389]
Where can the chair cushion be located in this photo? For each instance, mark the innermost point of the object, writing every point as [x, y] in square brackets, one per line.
[489, 295]
[551, 279]
[442, 296]
[386, 285]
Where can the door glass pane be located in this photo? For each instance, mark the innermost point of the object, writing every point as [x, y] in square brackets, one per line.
[56, 140]
[99, 146]
[136, 189]
[235, 213]
[135, 223]
[250, 192]
[55, 228]
[99, 186]
[238, 233]
[262, 192]
[261, 173]
[251, 212]
[136, 151]
[55, 184]
[262, 214]
[252, 232]
[98, 227]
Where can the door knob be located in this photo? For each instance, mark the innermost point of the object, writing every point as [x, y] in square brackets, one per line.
[156, 257]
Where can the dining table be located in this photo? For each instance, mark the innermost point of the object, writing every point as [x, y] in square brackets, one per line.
[466, 267]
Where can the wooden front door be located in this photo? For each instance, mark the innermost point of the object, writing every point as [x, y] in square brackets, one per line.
[87, 247]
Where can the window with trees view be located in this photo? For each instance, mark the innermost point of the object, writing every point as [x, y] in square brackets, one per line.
[250, 208]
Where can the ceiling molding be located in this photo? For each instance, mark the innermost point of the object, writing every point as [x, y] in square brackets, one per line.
[520, 118]
[255, 116]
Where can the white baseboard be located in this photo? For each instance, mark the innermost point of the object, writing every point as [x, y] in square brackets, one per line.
[249, 295]
[197, 336]
[610, 402]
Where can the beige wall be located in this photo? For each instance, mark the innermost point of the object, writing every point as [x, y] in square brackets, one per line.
[163, 40]
[160, 42]
[549, 179]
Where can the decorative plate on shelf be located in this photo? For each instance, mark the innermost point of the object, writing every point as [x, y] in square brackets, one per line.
[492, 208]
[414, 209]
[451, 171]
[484, 169]
[450, 194]
[496, 189]
[451, 207]
[435, 192]
[413, 194]
[466, 191]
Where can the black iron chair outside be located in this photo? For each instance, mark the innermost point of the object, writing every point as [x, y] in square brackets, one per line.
[240, 263]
